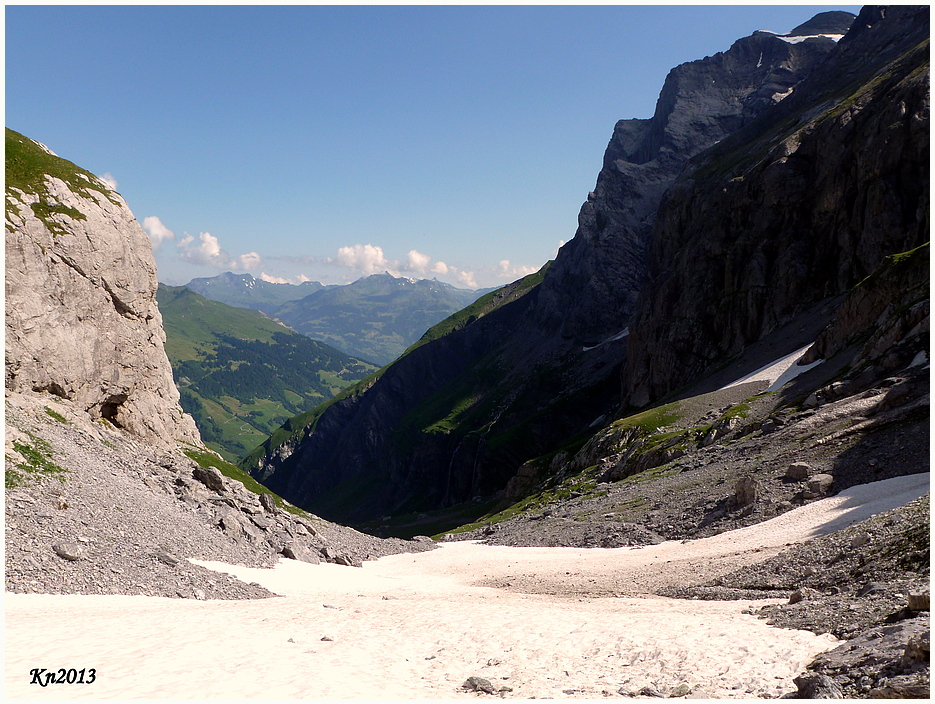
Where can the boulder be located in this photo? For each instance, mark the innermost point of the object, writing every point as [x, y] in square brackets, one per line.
[746, 491]
[268, 503]
[817, 686]
[818, 485]
[210, 477]
[298, 552]
[479, 684]
[797, 471]
[918, 601]
[801, 594]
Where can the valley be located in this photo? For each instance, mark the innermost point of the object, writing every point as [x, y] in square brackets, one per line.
[687, 458]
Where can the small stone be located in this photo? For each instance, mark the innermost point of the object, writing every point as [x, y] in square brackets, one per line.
[918, 602]
[268, 503]
[746, 491]
[328, 639]
[68, 550]
[870, 588]
[167, 558]
[859, 539]
[680, 690]
[801, 594]
[199, 594]
[650, 691]
[478, 684]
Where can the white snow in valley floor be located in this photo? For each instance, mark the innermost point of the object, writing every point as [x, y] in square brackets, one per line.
[779, 371]
[416, 626]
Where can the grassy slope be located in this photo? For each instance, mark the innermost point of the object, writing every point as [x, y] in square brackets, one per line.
[486, 304]
[198, 329]
[27, 167]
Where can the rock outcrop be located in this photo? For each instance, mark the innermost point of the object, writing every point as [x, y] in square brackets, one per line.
[798, 207]
[81, 315]
[525, 371]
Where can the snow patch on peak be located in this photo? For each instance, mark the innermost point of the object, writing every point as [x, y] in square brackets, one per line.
[796, 40]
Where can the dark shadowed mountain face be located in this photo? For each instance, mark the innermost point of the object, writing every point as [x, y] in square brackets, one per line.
[537, 367]
[798, 207]
[701, 103]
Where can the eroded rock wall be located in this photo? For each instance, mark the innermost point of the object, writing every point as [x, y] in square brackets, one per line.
[797, 208]
[81, 315]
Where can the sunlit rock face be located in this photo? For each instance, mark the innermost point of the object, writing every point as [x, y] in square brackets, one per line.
[81, 315]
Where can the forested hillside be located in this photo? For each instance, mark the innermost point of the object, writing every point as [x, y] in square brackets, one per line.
[241, 373]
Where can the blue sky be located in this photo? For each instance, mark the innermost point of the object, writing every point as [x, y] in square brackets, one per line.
[330, 142]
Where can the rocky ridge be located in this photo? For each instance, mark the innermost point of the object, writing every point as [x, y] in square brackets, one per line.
[797, 207]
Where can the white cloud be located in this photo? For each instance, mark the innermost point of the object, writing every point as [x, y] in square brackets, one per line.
[366, 258]
[109, 180]
[158, 233]
[248, 261]
[417, 261]
[467, 278]
[440, 268]
[208, 252]
[506, 270]
[278, 280]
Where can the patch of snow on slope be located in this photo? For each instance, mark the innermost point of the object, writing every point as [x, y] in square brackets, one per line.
[779, 371]
[613, 338]
[796, 40]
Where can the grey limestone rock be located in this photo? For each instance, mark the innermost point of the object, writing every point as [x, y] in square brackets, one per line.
[210, 477]
[818, 485]
[81, 315]
[479, 684]
[68, 550]
[798, 471]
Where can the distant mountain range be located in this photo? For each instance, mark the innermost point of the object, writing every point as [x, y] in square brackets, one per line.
[375, 318]
[245, 291]
[241, 373]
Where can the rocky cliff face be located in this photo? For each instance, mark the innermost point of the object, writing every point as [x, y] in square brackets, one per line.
[81, 315]
[592, 289]
[538, 366]
[798, 207]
